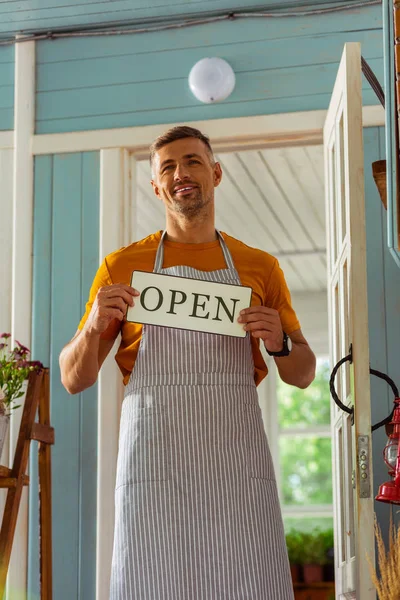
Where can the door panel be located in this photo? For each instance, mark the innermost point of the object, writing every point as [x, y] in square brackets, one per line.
[348, 314]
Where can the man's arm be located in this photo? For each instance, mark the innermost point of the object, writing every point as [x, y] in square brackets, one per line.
[81, 359]
[299, 367]
[264, 323]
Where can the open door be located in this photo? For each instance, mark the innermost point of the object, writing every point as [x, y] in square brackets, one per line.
[348, 325]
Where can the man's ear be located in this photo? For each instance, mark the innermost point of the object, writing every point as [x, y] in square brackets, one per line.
[217, 174]
[156, 189]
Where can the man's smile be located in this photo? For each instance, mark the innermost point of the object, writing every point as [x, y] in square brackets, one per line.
[183, 190]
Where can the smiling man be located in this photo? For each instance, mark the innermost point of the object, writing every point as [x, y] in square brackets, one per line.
[197, 509]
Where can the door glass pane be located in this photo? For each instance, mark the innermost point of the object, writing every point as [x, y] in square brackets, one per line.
[349, 487]
[336, 340]
[306, 470]
[340, 491]
[332, 203]
[342, 186]
[345, 329]
[304, 408]
[308, 523]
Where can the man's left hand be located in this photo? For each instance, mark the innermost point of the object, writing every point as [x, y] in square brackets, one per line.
[263, 323]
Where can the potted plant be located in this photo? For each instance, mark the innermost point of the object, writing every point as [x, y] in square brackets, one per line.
[329, 567]
[294, 544]
[314, 556]
[14, 370]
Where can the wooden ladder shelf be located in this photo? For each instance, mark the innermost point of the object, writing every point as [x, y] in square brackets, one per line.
[37, 398]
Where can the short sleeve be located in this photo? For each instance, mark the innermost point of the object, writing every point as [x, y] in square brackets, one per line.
[102, 278]
[278, 297]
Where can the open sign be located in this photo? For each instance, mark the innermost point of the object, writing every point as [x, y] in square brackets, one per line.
[184, 303]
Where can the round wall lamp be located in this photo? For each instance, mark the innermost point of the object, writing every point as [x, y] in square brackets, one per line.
[212, 80]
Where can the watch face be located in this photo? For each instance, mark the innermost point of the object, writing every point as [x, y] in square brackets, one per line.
[289, 344]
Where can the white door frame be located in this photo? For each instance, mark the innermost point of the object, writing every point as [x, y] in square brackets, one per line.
[271, 131]
[348, 321]
[119, 149]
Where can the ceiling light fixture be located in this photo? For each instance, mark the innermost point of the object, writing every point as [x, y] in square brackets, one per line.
[212, 80]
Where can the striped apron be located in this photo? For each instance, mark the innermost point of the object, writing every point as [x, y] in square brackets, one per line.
[197, 512]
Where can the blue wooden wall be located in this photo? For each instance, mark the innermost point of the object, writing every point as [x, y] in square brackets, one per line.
[7, 87]
[281, 65]
[65, 259]
[383, 310]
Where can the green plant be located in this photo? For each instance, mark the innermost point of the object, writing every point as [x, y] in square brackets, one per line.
[14, 370]
[315, 548]
[294, 544]
[328, 540]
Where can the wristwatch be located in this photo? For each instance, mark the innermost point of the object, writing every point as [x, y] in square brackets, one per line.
[287, 347]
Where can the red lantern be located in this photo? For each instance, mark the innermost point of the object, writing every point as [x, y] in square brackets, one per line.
[390, 491]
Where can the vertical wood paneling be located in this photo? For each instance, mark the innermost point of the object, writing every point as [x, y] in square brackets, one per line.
[6, 179]
[65, 260]
[21, 309]
[65, 314]
[88, 416]
[115, 182]
[41, 333]
[7, 57]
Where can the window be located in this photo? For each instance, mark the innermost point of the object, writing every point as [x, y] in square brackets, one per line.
[304, 449]
[301, 448]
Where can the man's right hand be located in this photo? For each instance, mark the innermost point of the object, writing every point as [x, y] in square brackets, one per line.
[111, 303]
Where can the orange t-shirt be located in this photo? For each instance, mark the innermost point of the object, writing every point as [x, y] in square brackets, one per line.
[256, 269]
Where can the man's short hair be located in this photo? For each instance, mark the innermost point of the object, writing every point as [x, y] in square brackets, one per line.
[179, 133]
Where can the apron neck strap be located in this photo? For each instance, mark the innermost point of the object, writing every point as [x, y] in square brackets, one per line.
[160, 253]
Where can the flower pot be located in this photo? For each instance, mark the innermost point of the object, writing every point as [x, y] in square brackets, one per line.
[313, 573]
[329, 572]
[4, 423]
[295, 572]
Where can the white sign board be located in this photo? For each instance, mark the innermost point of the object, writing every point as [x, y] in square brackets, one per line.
[184, 303]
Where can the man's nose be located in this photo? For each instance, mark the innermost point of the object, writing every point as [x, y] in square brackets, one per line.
[181, 172]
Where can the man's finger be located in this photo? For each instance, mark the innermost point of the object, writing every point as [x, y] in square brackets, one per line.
[118, 288]
[258, 334]
[259, 325]
[263, 309]
[110, 294]
[252, 317]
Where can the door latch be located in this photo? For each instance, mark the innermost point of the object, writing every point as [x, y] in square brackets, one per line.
[363, 466]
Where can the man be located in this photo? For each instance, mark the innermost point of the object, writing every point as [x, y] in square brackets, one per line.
[197, 510]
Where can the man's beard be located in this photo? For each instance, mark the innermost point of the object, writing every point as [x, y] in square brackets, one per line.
[191, 206]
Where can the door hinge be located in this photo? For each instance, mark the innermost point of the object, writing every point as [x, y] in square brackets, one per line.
[363, 467]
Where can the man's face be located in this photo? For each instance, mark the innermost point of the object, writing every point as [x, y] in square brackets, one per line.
[184, 176]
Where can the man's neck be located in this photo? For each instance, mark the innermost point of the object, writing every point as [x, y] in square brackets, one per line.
[191, 232]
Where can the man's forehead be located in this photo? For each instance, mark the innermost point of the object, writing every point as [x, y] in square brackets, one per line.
[180, 149]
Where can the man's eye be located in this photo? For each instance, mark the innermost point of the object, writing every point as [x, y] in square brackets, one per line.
[167, 168]
[194, 162]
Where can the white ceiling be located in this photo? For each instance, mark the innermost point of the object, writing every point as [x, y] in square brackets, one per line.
[271, 199]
